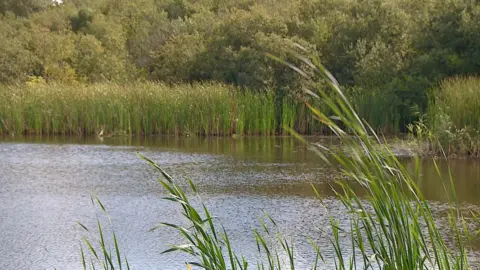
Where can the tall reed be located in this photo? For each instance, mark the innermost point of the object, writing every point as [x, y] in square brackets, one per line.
[140, 108]
[377, 107]
[459, 98]
[155, 108]
[453, 117]
[103, 256]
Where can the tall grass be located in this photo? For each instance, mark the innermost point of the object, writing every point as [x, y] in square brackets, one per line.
[378, 108]
[453, 117]
[459, 98]
[141, 108]
[391, 226]
[155, 108]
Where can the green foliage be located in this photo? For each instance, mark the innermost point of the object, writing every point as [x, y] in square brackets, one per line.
[394, 50]
[55, 51]
[81, 20]
[177, 61]
[176, 9]
[23, 7]
[17, 61]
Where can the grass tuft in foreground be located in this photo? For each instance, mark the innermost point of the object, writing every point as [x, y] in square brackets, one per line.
[102, 255]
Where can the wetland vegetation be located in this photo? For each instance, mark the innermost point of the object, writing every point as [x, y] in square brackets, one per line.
[232, 68]
[127, 67]
[389, 226]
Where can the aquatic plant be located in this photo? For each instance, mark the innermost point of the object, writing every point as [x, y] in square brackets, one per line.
[102, 256]
[140, 108]
[452, 124]
[209, 109]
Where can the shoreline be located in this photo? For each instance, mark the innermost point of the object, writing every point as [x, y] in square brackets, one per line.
[400, 146]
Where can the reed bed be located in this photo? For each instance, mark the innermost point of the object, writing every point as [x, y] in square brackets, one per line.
[459, 98]
[141, 108]
[208, 109]
[379, 108]
[453, 120]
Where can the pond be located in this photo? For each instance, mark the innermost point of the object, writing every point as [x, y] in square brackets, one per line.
[46, 184]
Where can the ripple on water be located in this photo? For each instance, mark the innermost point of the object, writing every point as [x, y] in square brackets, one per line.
[45, 190]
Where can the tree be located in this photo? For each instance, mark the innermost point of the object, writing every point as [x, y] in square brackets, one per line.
[55, 51]
[23, 7]
[17, 62]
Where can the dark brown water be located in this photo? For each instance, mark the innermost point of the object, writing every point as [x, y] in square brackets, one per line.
[45, 188]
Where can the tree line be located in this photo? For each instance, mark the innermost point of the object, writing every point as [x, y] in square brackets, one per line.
[387, 53]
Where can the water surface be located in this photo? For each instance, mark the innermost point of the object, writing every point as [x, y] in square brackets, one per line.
[46, 183]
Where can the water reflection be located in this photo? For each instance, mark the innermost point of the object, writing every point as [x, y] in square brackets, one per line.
[465, 173]
[45, 185]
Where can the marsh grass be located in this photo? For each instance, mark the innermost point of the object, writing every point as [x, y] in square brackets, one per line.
[140, 108]
[391, 226]
[452, 123]
[459, 98]
[377, 107]
[209, 109]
